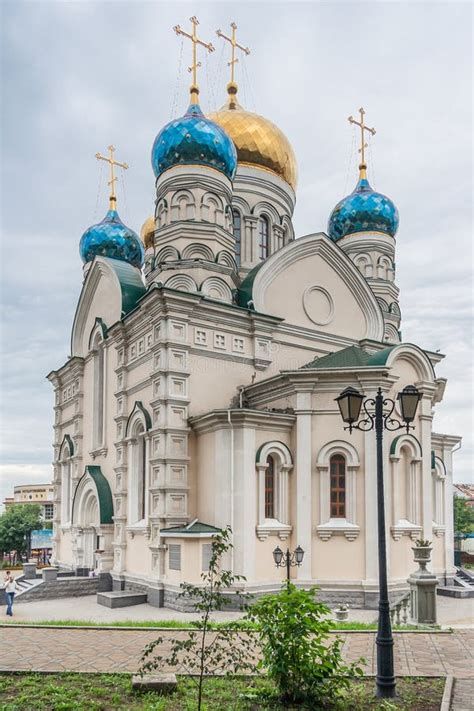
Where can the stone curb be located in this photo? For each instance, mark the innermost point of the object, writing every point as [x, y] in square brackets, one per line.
[187, 629]
[447, 694]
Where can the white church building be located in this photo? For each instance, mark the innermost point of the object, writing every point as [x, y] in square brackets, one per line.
[206, 356]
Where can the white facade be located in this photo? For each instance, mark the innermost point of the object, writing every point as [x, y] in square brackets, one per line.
[195, 393]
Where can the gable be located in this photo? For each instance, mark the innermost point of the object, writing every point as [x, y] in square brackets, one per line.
[313, 284]
[111, 289]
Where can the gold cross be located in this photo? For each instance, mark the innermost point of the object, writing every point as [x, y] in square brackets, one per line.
[363, 127]
[112, 162]
[233, 44]
[195, 41]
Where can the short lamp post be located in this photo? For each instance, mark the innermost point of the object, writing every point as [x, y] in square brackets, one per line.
[288, 559]
[378, 415]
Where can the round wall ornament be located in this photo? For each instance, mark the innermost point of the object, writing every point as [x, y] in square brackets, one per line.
[318, 305]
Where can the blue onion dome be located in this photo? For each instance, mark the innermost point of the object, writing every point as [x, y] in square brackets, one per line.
[111, 238]
[193, 139]
[364, 210]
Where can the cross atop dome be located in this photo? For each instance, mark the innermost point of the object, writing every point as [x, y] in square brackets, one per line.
[363, 145]
[195, 40]
[233, 59]
[112, 162]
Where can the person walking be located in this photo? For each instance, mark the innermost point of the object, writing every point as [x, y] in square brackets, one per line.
[10, 590]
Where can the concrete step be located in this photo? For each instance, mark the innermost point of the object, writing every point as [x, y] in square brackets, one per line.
[463, 583]
[122, 598]
[456, 591]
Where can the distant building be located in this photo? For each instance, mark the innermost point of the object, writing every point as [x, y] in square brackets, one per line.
[42, 494]
[465, 491]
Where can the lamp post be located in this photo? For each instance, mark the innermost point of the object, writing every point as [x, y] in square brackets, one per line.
[288, 559]
[378, 415]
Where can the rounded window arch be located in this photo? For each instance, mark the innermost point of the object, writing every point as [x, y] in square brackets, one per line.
[263, 231]
[337, 464]
[273, 463]
[138, 425]
[66, 467]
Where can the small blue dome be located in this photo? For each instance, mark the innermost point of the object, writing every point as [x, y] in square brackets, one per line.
[193, 139]
[111, 238]
[364, 210]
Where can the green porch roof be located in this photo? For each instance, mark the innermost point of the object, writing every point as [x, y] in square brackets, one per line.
[351, 357]
[195, 528]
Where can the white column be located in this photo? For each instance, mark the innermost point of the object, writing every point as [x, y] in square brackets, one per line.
[449, 513]
[245, 504]
[425, 419]
[284, 511]
[303, 532]
[370, 491]
[261, 468]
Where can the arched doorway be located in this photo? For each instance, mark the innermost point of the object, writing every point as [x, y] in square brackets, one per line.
[92, 523]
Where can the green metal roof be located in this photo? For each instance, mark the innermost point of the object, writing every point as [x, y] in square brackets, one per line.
[104, 495]
[351, 357]
[245, 291]
[193, 528]
[131, 285]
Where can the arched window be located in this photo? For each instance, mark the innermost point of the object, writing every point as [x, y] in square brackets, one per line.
[270, 488]
[337, 465]
[263, 237]
[98, 411]
[141, 474]
[273, 464]
[66, 481]
[237, 225]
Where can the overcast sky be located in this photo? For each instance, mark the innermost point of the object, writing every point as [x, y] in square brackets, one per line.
[77, 76]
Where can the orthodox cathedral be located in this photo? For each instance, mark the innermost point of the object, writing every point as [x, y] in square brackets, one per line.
[206, 357]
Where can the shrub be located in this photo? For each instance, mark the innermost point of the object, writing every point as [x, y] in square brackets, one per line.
[293, 631]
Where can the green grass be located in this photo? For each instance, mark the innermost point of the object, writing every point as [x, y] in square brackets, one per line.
[178, 624]
[107, 692]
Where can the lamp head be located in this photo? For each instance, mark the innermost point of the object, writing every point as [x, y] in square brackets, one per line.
[278, 556]
[409, 398]
[350, 402]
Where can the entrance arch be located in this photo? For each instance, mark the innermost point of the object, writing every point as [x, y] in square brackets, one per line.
[92, 522]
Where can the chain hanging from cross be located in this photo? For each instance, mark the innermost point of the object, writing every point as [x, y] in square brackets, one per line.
[113, 179]
[234, 44]
[363, 127]
[195, 42]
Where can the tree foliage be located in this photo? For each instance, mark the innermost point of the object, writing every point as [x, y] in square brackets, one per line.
[204, 651]
[463, 516]
[293, 631]
[16, 524]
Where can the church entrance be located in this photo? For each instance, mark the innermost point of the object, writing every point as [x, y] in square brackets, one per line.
[92, 519]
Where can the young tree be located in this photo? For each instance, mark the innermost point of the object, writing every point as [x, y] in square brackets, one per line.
[206, 649]
[16, 525]
[463, 516]
[293, 634]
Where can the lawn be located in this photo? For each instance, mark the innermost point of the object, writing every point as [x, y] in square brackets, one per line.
[178, 624]
[107, 692]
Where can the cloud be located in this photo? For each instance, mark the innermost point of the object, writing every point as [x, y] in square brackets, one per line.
[92, 73]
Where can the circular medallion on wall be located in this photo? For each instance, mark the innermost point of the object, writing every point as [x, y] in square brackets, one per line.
[318, 305]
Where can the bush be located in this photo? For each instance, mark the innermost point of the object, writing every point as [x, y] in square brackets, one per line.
[293, 630]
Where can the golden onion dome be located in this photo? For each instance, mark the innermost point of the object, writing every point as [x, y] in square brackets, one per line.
[147, 232]
[258, 141]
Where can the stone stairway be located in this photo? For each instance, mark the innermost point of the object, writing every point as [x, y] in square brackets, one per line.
[463, 585]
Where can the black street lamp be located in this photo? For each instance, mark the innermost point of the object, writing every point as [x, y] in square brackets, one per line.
[378, 413]
[288, 559]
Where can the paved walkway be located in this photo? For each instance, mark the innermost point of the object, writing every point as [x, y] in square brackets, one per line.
[452, 612]
[113, 650]
[463, 695]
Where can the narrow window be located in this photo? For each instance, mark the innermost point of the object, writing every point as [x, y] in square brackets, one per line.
[174, 552]
[270, 489]
[338, 486]
[206, 556]
[98, 394]
[237, 225]
[263, 237]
